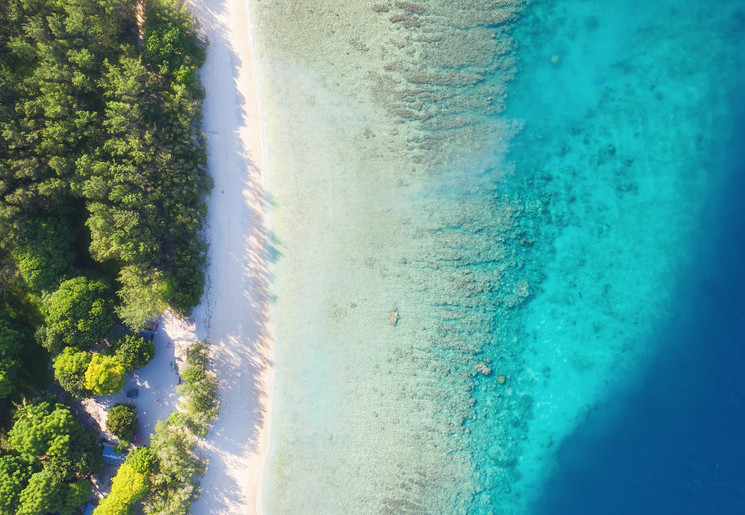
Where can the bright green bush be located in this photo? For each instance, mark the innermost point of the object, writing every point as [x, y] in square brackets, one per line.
[15, 471]
[131, 482]
[42, 429]
[69, 370]
[105, 375]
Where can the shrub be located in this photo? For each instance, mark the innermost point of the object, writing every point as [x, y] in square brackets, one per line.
[130, 483]
[105, 375]
[176, 470]
[199, 389]
[122, 422]
[134, 351]
[178, 467]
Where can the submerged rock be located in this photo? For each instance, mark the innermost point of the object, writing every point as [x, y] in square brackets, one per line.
[393, 318]
[483, 368]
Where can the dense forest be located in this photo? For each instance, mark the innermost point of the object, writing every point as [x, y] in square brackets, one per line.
[102, 188]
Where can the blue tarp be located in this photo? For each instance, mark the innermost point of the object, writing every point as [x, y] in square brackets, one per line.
[111, 457]
[89, 509]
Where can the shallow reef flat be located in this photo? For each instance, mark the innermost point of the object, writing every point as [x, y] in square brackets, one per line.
[458, 270]
[396, 253]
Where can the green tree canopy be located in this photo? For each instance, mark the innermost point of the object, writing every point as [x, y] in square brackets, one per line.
[134, 351]
[44, 494]
[15, 472]
[199, 390]
[56, 457]
[78, 314]
[130, 483]
[41, 495]
[121, 421]
[44, 255]
[105, 375]
[102, 160]
[142, 295]
[42, 428]
[69, 370]
[83, 458]
[10, 345]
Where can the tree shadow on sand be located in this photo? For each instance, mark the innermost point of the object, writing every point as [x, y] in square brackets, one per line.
[233, 316]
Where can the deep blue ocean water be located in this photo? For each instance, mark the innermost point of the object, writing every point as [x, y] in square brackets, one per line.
[674, 443]
[640, 78]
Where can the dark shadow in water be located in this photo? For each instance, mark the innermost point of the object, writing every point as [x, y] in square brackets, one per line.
[676, 443]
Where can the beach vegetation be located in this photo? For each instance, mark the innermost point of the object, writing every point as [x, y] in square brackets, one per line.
[78, 314]
[134, 351]
[199, 390]
[69, 370]
[177, 466]
[102, 202]
[104, 375]
[131, 482]
[47, 462]
[121, 421]
[177, 470]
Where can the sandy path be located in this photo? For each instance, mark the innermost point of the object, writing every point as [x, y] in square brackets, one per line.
[233, 315]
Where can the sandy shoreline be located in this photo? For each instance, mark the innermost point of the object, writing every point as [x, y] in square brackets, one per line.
[233, 316]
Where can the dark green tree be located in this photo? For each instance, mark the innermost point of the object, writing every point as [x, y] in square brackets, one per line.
[10, 345]
[78, 314]
[121, 421]
[44, 256]
[134, 351]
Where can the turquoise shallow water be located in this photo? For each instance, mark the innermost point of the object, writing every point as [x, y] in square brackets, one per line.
[481, 223]
[627, 126]
[628, 110]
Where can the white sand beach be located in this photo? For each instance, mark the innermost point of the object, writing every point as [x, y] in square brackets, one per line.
[233, 316]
